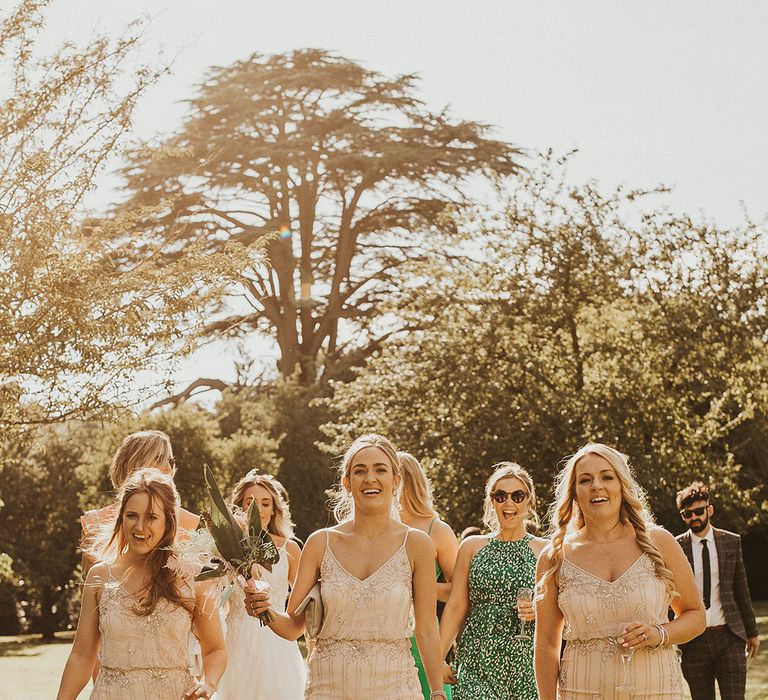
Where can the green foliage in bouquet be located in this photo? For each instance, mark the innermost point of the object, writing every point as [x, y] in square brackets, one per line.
[239, 548]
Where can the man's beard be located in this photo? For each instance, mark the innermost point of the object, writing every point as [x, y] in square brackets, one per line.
[699, 525]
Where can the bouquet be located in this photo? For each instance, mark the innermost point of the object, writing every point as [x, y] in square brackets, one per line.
[226, 549]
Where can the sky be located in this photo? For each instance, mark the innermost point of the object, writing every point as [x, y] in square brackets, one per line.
[650, 93]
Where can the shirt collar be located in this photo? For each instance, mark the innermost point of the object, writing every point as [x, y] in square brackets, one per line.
[709, 537]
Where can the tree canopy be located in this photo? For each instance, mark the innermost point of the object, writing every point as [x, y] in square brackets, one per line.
[580, 320]
[85, 303]
[342, 170]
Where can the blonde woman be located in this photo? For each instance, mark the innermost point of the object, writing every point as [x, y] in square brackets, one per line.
[493, 660]
[374, 571]
[255, 651]
[606, 582]
[417, 511]
[146, 448]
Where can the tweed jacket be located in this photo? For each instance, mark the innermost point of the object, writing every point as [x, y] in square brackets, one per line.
[734, 591]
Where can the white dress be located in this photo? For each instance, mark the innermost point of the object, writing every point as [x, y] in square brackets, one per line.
[260, 664]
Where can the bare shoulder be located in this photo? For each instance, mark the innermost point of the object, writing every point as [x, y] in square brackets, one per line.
[98, 574]
[315, 544]
[666, 543]
[419, 540]
[472, 545]
[293, 550]
[538, 544]
[441, 531]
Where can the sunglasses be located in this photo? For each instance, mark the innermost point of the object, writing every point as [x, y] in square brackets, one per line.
[500, 496]
[688, 513]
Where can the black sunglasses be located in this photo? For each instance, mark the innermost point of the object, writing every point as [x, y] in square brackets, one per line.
[500, 496]
[688, 513]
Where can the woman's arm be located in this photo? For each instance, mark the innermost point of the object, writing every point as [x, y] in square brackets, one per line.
[690, 617]
[206, 623]
[82, 657]
[527, 611]
[421, 551]
[289, 625]
[447, 547]
[294, 554]
[458, 604]
[549, 633]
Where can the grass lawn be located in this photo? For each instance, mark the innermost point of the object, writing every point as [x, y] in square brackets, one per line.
[30, 670]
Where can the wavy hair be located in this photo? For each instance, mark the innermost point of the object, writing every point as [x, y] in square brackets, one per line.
[503, 470]
[163, 582]
[146, 448]
[342, 502]
[280, 522]
[565, 515]
[416, 493]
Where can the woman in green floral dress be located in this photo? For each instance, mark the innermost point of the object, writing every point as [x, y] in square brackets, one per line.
[490, 662]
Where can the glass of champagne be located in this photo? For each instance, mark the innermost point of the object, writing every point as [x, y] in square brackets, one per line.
[625, 654]
[524, 595]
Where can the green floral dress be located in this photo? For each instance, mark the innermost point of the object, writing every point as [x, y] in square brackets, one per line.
[490, 663]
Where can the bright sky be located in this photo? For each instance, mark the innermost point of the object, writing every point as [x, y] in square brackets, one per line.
[649, 92]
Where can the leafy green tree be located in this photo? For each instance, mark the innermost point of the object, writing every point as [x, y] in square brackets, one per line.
[40, 527]
[85, 303]
[342, 171]
[580, 321]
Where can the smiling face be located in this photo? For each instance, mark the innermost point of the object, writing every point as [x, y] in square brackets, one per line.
[597, 487]
[509, 513]
[143, 523]
[264, 501]
[371, 478]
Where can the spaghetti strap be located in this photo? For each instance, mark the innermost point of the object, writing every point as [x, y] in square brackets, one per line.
[405, 540]
[431, 525]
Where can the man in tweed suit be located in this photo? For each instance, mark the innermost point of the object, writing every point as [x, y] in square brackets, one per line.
[731, 635]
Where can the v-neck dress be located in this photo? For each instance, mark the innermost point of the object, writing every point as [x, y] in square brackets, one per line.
[594, 609]
[363, 649]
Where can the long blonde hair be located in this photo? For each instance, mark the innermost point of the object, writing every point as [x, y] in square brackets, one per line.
[146, 448]
[503, 470]
[342, 502]
[416, 493]
[565, 515]
[280, 522]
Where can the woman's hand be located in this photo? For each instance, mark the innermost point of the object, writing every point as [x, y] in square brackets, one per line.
[526, 611]
[257, 600]
[449, 676]
[199, 689]
[639, 635]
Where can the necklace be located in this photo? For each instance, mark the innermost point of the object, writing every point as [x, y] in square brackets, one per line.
[357, 532]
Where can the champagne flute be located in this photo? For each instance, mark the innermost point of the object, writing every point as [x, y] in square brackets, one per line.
[625, 654]
[524, 595]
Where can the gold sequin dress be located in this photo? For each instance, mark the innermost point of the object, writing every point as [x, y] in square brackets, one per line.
[363, 649]
[141, 657]
[594, 609]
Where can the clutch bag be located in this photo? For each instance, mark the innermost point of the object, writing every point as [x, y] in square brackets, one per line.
[312, 607]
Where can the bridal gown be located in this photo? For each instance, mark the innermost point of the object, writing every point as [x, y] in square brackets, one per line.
[260, 664]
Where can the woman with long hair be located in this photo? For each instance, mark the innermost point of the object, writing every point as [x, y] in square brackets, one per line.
[417, 511]
[494, 656]
[606, 583]
[137, 612]
[255, 651]
[146, 448]
[373, 571]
